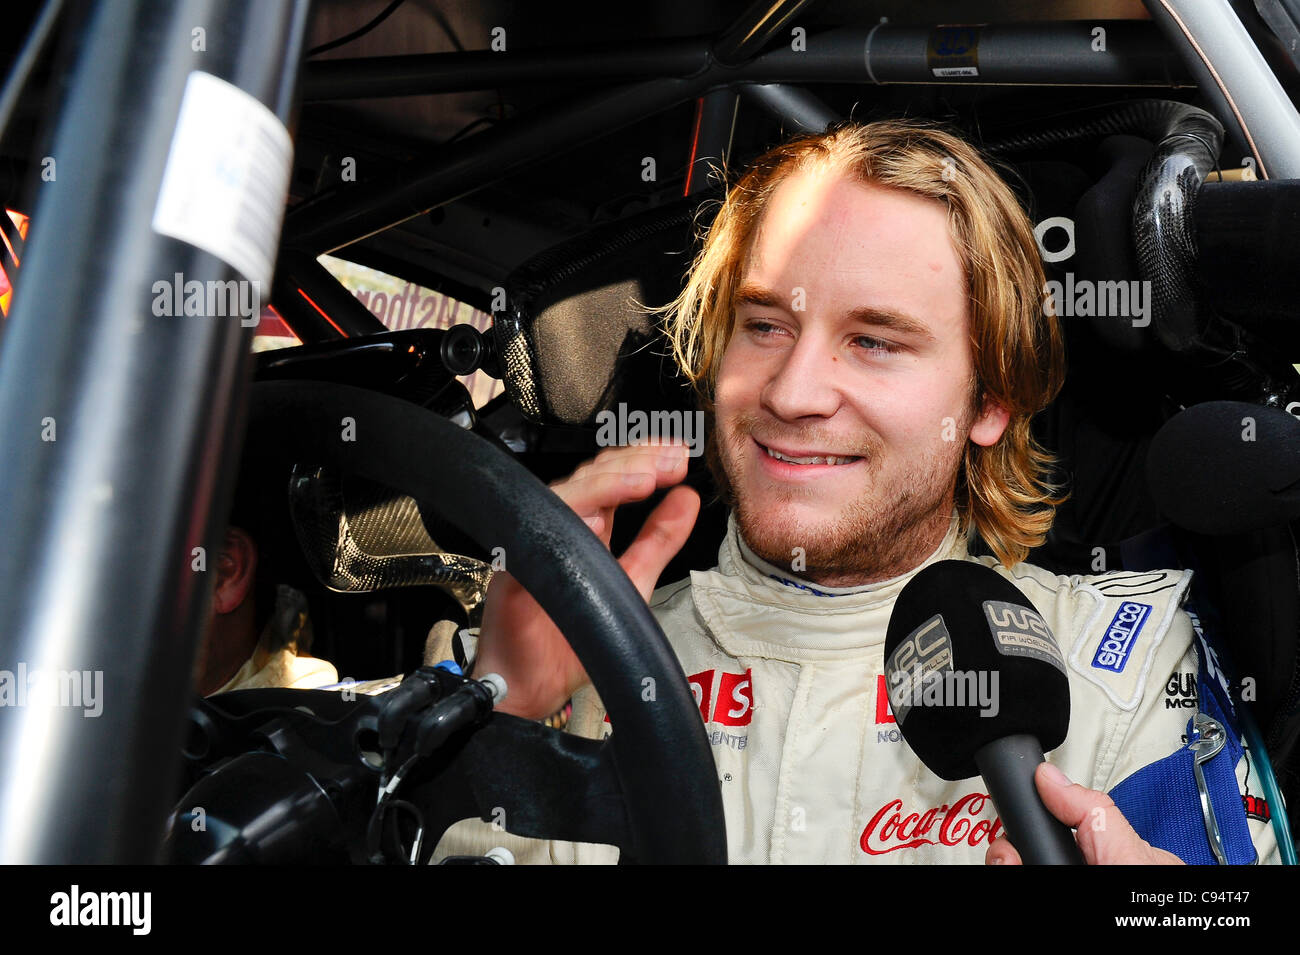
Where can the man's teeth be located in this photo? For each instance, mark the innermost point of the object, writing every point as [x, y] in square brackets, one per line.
[816, 460]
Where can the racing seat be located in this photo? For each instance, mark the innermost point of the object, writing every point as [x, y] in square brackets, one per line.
[1118, 395]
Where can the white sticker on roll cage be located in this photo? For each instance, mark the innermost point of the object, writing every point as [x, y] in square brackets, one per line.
[227, 175]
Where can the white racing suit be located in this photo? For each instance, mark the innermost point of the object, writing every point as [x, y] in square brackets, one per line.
[789, 681]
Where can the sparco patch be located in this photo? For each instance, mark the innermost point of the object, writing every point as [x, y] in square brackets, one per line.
[1121, 636]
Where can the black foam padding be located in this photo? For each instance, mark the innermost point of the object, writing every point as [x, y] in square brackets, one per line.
[1245, 236]
[1258, 593]
[1227, 467]
[1103, 228]
[1004, 672]
[1098, 427]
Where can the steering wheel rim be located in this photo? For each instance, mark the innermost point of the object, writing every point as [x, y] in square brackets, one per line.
[660, 754]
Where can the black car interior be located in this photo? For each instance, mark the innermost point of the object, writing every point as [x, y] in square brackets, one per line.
[1132, 180]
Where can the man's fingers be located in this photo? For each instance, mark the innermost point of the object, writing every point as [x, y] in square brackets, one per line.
[1069, 802]
[607, 490]
[618, 476]
[664, 461]
[613, 457]
[1002, 852]
[661, 537]
[1104, 835]
[1081, 808]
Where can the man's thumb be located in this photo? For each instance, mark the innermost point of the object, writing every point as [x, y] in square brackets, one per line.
[1069, 802]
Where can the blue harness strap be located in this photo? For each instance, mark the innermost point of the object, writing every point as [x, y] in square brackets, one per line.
[1162, 800]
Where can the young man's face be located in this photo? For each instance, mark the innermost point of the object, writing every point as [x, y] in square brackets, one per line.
[851, 346]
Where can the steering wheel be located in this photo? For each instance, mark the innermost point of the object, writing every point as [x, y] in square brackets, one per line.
[650, 788]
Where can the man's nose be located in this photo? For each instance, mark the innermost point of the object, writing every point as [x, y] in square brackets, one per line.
[805, 382]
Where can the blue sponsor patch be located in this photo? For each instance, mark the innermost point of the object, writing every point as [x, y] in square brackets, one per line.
[1121, 636]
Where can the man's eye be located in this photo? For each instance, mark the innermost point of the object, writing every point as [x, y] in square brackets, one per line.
[760, 326]
[874, 344]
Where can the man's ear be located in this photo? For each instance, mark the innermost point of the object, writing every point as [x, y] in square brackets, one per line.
[236, 571]
[990, 423]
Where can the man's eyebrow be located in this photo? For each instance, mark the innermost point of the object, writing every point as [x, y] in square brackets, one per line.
[751, 294]
[894, 321]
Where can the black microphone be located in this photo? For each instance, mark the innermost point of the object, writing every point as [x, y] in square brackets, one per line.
[1226, 467]
[978, 687]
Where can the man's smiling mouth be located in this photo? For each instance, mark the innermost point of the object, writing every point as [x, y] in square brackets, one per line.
[808, 459]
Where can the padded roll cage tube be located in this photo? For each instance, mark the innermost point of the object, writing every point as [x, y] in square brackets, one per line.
[1043, 54]
[1164, 231]
[659, 751]
[1234, 76]
[98, 575]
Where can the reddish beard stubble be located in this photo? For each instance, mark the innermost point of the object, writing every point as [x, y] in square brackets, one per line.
[886, 530]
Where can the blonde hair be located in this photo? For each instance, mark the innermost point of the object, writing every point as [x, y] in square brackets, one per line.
[1003, 490]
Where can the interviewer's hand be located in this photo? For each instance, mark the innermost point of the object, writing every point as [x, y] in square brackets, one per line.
[1104, 835]
[517, 638]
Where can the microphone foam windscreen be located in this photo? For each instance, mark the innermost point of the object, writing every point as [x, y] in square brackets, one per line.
[969, 660]
[1226, 467]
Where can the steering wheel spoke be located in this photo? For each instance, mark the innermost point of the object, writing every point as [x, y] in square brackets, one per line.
[530, 780]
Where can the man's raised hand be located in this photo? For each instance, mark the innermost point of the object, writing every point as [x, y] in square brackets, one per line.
[517, 638]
